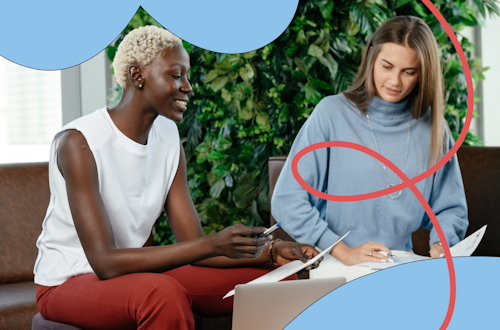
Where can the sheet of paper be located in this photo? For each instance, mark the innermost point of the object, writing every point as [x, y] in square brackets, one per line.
[468, 245]
[286, 270]
[462, 249]
[397, 261]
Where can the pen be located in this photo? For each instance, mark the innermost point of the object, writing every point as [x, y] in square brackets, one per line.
[387, 255]
[270, 230]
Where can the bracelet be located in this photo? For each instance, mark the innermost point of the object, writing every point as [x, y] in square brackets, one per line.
[438, 242]
[271, 249]
[435, 243]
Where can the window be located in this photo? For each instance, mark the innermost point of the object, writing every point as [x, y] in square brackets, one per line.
[30, 112]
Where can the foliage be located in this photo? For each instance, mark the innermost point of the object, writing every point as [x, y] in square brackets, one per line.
[247, 107]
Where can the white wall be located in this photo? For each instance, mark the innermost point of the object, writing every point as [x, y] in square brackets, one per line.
[490, 50]
[85, 87]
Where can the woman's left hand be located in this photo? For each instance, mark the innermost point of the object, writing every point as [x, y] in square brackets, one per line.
[437, 251]
[285, 252]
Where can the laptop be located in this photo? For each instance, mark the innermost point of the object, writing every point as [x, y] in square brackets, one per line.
[272, 306]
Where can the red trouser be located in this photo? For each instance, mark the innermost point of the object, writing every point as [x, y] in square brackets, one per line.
[145, 300]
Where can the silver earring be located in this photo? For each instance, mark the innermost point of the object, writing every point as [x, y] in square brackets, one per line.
[140, 85]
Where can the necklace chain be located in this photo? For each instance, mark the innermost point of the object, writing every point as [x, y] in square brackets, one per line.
[389, 184]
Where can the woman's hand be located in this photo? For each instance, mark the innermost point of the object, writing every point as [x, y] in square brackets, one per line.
[233, 242]
[437, 250]
[367, 252]
[284, 252]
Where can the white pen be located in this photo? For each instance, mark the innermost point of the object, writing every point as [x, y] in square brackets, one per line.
[270, 230]
[387, 255]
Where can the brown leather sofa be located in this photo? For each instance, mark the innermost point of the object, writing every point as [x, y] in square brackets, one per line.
[24, 197]
[480, 168]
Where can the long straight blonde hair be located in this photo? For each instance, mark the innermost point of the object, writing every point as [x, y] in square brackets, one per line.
[428, 93]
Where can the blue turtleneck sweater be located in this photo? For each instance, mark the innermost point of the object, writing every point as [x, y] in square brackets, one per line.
[341, 171]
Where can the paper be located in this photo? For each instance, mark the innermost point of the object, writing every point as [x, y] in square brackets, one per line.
[397, 261]
[468, 245]
[462, 249]
[286, 270]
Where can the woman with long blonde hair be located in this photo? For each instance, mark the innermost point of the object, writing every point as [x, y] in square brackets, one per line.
[395, 107]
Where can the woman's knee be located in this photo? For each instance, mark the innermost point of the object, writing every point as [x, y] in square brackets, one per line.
[161, 289]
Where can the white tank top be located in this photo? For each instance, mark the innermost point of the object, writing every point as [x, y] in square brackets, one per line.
[134, 180]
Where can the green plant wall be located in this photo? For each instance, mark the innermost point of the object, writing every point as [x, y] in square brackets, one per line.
[247, 107]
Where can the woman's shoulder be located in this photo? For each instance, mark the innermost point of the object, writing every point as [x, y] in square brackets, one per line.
[93, 127]
[334, 106]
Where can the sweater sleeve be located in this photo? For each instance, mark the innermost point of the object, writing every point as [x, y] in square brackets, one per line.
[299, 212]
[448, 202]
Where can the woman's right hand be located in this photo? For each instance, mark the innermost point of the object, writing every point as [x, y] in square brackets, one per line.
[233, 242]
[353, 256]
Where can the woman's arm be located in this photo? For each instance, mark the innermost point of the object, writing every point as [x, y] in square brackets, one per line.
[77, 165]
[448, 203]
[298, 210]
[185, 223]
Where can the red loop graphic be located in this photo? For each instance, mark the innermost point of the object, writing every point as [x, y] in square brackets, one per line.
[407, 183]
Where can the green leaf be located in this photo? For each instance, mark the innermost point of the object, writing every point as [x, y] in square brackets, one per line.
[278, 142]
[298, 76]
[211, 75]
[218, 83]
[300, 64]
[201, 158]
[301, 38]
[234, 61]
[315, 51]
[244, 194]
[221, 170]
[326, 11]
[228, 180]
[250, 55]
[332, 65]
[284, 115]
[312, 95]
[262, 118]
[226, 95]
[240, 91]
[223, 144]
[250, 71]
[214, 155]
[255, 213]
[245, 114]
[320, 84]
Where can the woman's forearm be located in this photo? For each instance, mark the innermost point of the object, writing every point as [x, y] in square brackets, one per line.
[114, 262]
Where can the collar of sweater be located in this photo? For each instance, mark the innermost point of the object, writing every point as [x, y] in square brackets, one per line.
[389, 113]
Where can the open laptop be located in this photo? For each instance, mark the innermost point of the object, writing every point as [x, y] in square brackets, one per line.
[273, 305]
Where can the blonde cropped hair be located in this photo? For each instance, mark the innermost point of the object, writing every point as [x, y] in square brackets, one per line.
[141, 46]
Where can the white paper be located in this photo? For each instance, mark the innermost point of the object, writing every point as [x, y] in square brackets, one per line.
[462, 249]
[468, 245]
[397, 261]
[286, 270]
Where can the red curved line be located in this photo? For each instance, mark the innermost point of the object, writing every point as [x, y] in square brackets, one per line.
[408, 183]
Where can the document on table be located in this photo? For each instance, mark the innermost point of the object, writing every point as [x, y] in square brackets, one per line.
[462, 249]
[286, 270]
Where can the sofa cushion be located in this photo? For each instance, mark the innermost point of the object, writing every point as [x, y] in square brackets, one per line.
[17, 305]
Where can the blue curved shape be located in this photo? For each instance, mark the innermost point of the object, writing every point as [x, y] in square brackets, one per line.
[411, 296]
[225, 26]
[60, 34]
